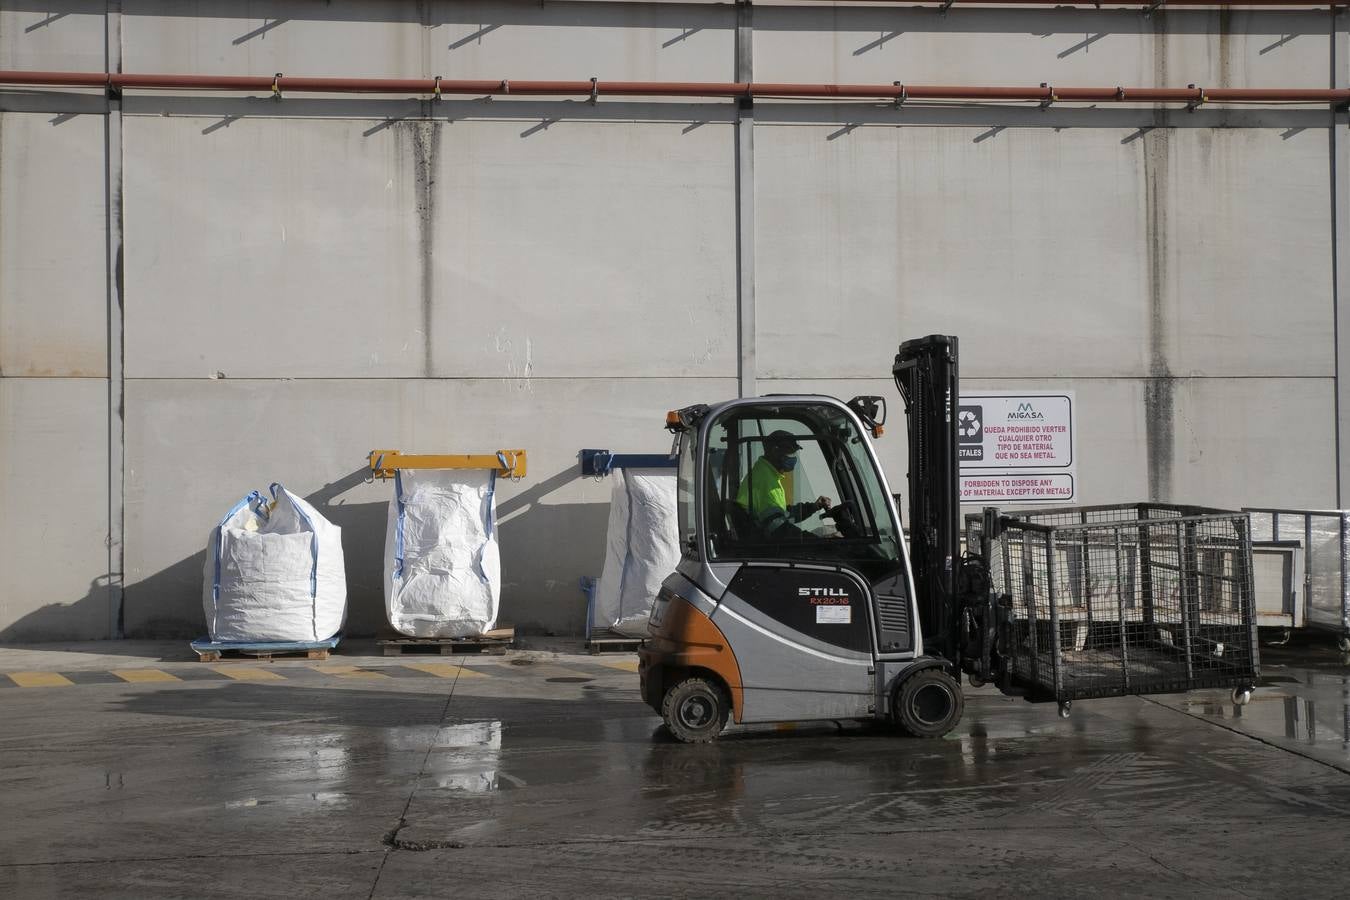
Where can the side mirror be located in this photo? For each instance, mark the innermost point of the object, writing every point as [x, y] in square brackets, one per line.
[872, 411]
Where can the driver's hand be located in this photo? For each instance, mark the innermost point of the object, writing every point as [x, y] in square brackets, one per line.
[823, 502]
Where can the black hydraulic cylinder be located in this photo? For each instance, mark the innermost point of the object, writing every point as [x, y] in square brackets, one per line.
[926, 373]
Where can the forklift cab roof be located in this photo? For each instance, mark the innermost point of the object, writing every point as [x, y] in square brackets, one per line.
[870, 410]
[825, 501]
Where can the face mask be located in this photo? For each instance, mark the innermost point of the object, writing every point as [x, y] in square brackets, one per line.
[789, 463]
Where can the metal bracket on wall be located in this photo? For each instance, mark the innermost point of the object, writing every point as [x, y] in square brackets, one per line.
[1051, 98]
[1155, 5]
[595, 90]
[946, 5]
[385, 463]
[599, 463]
[276, 86]
[1195, 104]
[436, 89]
[901, 97]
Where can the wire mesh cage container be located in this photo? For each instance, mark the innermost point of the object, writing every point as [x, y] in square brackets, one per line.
[1322, 598]
[1127, 599]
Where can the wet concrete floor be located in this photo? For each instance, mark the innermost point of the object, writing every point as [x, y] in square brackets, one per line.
[540, 775]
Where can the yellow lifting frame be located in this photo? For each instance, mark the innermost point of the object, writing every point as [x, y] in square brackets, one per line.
[510, 463]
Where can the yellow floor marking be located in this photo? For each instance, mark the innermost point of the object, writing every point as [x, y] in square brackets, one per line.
[248, 674]
[138, 675]
[39, 679]
[445, 670]
[628, 665]
[349, 672]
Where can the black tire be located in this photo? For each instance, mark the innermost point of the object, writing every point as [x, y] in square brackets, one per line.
[928, 704]
[695, 710]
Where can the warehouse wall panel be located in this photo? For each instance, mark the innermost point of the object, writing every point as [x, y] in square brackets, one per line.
[366, 38]
[53, 274]
[1239, 245]
[271, 247]
[1024, 241]
[584, 249]
[377, 38]
[578, 40]
[1255, 442]
[66, 36]
[1027, 46]
[329, 248]
[53, 509]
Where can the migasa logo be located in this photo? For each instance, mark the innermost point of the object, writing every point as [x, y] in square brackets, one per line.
[1025, 411]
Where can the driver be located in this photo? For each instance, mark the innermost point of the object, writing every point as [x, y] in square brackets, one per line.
[762, 494]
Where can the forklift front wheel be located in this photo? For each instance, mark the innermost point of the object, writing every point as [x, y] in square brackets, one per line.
[1242, 696]
[695, 710]
[1344, 643]
[929, 704]
[1066, 709]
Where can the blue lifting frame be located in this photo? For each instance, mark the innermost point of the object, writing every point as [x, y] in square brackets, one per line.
[598, 463]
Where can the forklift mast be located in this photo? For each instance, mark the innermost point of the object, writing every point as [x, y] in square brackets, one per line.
[925, 371]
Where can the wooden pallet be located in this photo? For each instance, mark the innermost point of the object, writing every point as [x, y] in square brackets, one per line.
[602, 640]
[212, 651]
[495, 642]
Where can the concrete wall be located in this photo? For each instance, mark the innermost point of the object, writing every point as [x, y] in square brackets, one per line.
[285, 285]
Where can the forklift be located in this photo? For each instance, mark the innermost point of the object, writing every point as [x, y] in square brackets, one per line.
[823, 609]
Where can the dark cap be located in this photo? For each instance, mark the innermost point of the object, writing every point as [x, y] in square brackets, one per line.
[781, 439]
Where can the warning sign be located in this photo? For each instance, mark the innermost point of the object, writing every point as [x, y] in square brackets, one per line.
[1016, 448]
[1019, 486]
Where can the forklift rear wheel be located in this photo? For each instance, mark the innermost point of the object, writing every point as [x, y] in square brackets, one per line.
[1066, 709]
[1242, 696]
[1344, 644]
[695, 710]
[929, 704]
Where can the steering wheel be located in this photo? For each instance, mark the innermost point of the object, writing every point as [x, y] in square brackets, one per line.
[845, 516]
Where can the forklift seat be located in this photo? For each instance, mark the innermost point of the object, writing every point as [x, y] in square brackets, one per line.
[737, 517]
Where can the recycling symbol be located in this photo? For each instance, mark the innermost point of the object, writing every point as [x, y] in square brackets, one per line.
[968, 425]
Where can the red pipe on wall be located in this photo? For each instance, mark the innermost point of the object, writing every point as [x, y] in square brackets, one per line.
[433, 86]
[1148, 4]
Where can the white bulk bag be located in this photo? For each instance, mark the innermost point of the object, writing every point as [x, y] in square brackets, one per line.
[442, 572]
[274, 572]
[642, 547]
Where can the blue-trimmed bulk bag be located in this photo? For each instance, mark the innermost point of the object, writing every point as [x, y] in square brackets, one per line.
[642, 547]
[274, 572]
[442, 572]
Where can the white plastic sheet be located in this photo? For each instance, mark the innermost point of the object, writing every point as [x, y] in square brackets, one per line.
[642, 547]
[442, 571]
[274, 572]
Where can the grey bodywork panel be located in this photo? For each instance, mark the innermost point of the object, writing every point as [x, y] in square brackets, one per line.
[787, 675]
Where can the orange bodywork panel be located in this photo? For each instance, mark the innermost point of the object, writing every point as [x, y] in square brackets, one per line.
[686, 638]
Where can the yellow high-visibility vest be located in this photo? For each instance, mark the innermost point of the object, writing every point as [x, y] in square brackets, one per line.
[762, 492]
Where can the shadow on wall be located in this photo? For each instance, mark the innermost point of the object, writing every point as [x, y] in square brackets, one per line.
[175, 593]
[84, 619]
[546, 548]
[540, 572]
